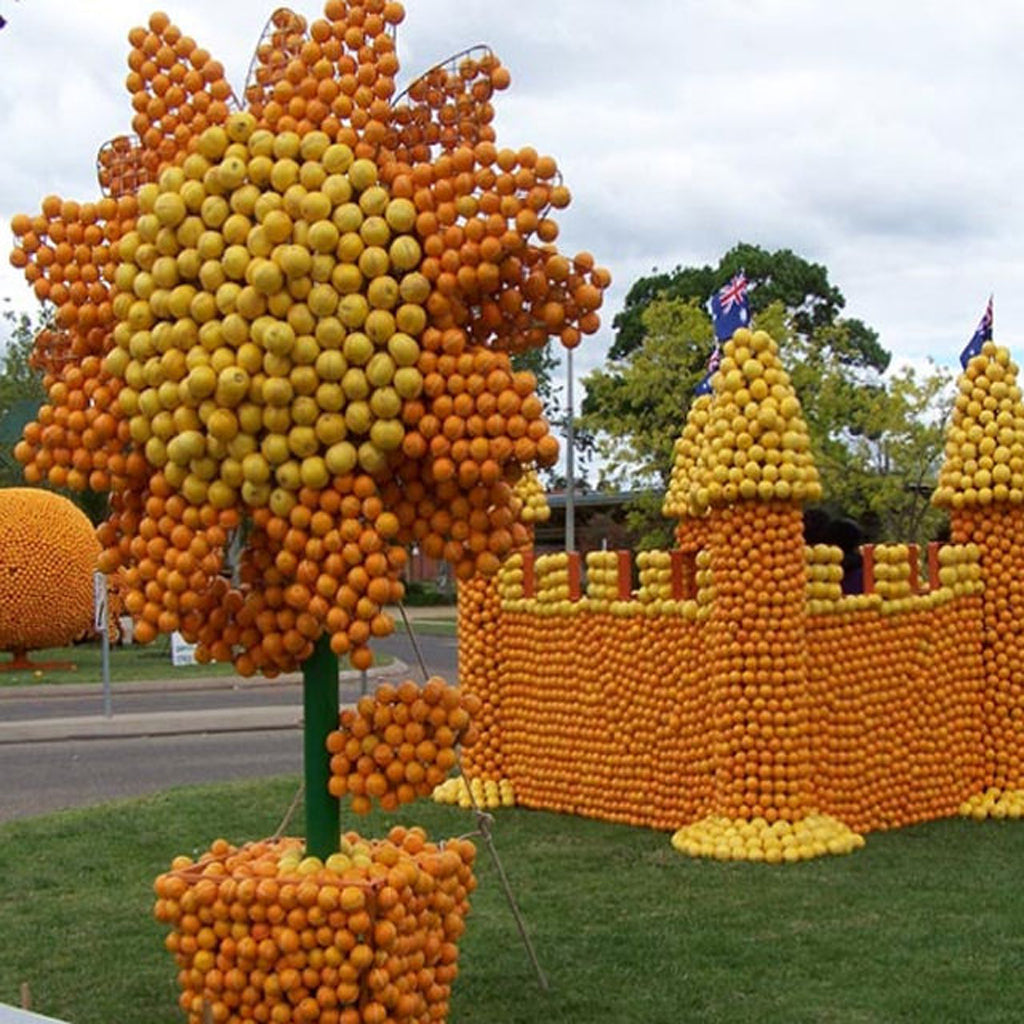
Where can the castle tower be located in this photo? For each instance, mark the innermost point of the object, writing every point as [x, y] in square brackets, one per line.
[752, 474]
[982, 485]
[691, 526]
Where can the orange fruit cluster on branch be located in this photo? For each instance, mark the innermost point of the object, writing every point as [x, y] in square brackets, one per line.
[47, 558]
[366, 937]
[298, 331]
[177, 90]
[400, 743]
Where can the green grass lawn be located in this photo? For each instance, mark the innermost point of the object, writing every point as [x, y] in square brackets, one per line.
[923, 924]
[127, 664]
[428, 627]
[133, 663]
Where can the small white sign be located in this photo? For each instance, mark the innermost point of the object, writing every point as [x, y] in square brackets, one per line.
[182, 653]
[99, 602]
[127, 624]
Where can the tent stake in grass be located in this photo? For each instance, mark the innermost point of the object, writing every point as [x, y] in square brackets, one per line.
[483, 824]
[414, 641]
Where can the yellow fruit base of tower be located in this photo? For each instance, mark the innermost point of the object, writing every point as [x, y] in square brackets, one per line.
[779, 842]
[994, 803]
[487, 795]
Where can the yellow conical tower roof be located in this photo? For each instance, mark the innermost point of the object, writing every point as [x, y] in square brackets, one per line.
[530, 491]
[685, 452]
[755, 445]
[985, 439]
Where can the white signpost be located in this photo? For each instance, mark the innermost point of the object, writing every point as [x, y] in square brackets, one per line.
[100, 621]
[182, 653]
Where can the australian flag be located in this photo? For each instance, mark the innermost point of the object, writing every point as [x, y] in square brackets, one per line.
[704, 387]
[982, 333]
[729, 309]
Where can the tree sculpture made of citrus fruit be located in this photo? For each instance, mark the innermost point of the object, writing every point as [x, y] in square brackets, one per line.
[48, 553]
[291, 322]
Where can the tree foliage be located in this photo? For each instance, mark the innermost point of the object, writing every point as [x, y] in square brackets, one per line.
[18, 380]
[886, 471]
[877, 441]
[803, 289]
[637, 406]
[21, 388]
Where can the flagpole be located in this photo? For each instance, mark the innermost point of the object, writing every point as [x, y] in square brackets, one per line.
[982, 333]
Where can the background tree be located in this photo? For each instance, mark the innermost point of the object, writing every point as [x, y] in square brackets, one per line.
[876, 442]
[637, 405]
[895, 458]
[802, 287]
[21, 388]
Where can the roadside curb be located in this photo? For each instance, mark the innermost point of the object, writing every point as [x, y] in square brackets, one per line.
[136, 725]
[170, 685]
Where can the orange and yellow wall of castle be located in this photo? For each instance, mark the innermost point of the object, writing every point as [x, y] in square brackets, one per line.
[596, 694]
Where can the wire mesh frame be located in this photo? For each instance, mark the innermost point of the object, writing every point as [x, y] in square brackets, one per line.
[119, 158]
[55, 351]
[449, 64]
[295, 22]
[290, 22]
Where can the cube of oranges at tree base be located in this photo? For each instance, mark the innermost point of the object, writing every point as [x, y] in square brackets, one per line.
[376, 914]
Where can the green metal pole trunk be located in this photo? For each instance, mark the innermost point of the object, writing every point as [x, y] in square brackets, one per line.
[320, 704]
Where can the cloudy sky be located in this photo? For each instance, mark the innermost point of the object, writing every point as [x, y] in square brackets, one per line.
[879, 138]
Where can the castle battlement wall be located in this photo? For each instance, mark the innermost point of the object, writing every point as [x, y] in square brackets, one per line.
[600, 702]
[680, 583]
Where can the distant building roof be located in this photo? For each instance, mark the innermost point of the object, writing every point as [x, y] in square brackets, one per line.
[557, 499]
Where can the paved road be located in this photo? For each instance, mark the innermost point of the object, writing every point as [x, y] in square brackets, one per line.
[154, 699]
[45, 776]
[439, 653]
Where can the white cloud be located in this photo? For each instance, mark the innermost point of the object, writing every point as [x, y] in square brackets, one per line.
[876, 138]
